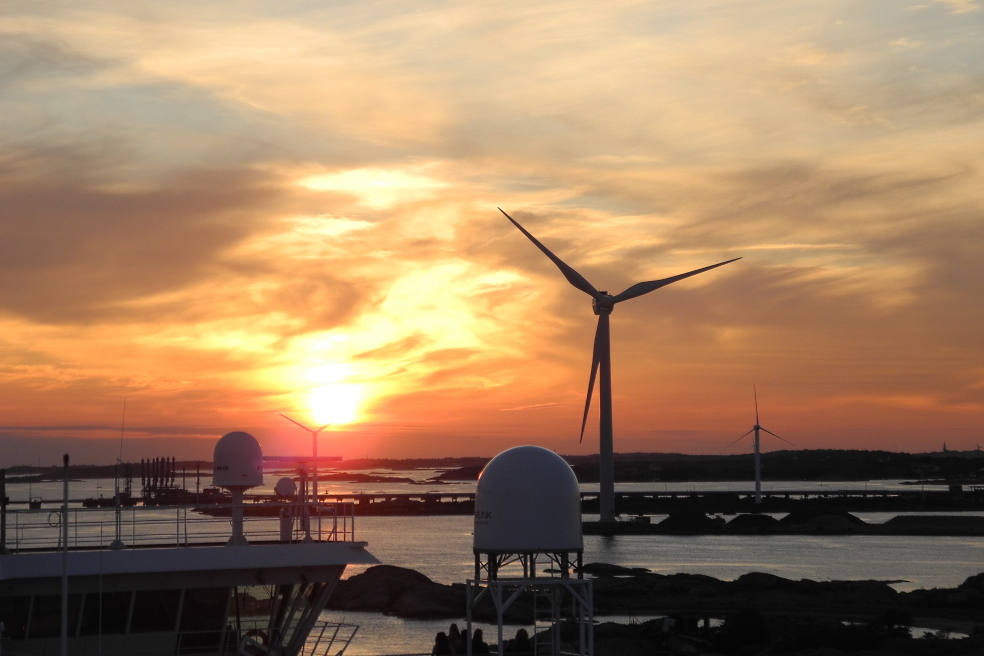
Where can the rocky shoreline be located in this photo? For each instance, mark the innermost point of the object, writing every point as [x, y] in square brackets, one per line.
[804, 522]
[756, 613]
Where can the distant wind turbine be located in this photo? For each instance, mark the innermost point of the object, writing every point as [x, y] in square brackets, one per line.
[314, 450]
[758, 456]
[603, 304]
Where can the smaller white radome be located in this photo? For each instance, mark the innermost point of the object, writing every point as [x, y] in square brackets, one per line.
[285, 488]
[527, 501]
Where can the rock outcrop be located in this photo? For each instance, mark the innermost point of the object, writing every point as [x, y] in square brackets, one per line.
[762, 613]
[407, 593]
[398, 591]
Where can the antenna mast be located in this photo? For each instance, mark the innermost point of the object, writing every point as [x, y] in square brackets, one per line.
[118, 542]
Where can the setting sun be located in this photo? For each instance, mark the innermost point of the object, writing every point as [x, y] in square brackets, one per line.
[335, 404]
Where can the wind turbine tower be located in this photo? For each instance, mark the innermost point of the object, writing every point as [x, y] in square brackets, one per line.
[758, 455]
[603, 303]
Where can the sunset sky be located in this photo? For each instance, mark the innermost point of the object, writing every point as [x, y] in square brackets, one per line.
[225, 211]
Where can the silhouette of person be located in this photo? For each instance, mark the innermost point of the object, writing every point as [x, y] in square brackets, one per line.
[441, 645]
[478, 644]
[456, 640]
[521, 643]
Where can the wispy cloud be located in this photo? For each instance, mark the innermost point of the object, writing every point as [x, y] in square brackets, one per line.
[961, 6]
[537, 406]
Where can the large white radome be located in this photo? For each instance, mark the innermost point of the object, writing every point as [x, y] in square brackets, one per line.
[527, 501]
[237, 461]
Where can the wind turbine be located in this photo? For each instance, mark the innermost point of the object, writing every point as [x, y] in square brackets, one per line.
[314, 450]
[603, 303]
[758, 456]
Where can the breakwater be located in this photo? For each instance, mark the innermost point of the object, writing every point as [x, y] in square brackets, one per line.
[707, 502]
[700, 513]
[963, 499]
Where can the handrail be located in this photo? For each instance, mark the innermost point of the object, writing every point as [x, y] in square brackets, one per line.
[173, 526]
[326, 638]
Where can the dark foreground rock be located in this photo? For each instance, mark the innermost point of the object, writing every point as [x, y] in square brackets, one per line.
[604, 569]
[398, 591]
[750, 633]
[665, 593]
[757, 613]
[803, 519]
[407, 593]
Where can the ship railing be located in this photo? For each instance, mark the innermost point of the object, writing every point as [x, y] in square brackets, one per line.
[329, 639]
[169, 526]
[326, 638]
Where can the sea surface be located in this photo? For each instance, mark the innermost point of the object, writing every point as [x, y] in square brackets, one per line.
[51, 491]
[441, 548]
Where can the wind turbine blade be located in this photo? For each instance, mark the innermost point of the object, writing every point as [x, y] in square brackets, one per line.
[739, 439]
[572, 276]
[296, 422]
[774, 435]
[595, 363]
[755, 392]
[641, 288]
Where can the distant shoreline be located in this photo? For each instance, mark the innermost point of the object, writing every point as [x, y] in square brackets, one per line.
[932, 468]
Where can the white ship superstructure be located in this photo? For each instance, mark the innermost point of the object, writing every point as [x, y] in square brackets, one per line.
[178, 585]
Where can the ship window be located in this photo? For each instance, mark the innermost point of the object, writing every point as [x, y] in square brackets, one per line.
[155, 610]
[203, 620]
[294, 608]
[13, 614]
[204, 609]
[105, 614]
[46, 616]
[256, 600]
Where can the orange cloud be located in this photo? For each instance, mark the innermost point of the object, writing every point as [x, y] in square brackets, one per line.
[201, 209]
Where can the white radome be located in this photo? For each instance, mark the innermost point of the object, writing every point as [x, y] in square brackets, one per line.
[527, 501]
[237, 461]
[285, 488]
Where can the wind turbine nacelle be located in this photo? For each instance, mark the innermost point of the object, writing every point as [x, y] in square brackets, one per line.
[237, 461]
[605, 304]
